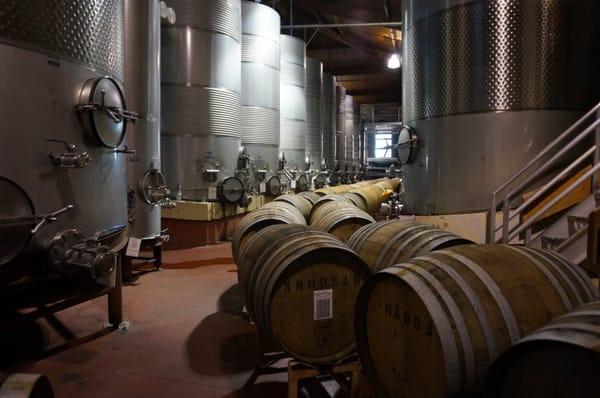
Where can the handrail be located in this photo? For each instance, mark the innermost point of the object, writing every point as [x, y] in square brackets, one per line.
[550, 184]
[503, 198]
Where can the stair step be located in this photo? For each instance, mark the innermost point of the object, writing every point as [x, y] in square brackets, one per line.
[576, 223]
[551, 242]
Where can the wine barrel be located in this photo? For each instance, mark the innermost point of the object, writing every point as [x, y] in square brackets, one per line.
[432, 326]
[302, 204]
[356, 199]
[255, 247]
[25, 385]
[303, 293]
[385, 243]
[340, 219]
[269, 214]
[560, 360]
[327, 199]
[310, 196]
[373, 196]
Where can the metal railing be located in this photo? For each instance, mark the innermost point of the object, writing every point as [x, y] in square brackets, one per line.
[524, 179]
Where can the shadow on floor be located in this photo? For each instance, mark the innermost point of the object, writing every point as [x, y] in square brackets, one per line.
[20, 339]
[231, 301]
[261, 390]
[197, 263]
[222, 344]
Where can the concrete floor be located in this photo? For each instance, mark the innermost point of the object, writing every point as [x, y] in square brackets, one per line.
[185, 338]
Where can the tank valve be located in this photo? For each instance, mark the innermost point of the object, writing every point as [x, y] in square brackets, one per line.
[71, 252]
[49, 218]
[69, 158]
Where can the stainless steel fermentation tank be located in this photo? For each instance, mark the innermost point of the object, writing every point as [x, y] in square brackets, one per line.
[340, 134]
[64, 120]
[351, 132]
[260, 90]
[147, 190]
[292, 137]
[314, 129]
[328, 119]
[486, 85]
[200, 100]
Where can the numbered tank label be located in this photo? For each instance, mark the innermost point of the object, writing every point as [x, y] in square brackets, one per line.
[212, 193]
[323, 304]
[262, 187]
[133, 247]
[293, 184]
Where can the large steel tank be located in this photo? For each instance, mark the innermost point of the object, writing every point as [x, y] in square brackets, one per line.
[200, 100]
[351, 130]
[328, 119]
[147, 190]
[486, 85]
[63, 124]
[260, 85]
[314, 129]
[292, 137]
[340, 134]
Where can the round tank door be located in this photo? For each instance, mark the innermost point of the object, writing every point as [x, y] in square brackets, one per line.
[407, 145]
[103, 111]
[232, 190]
[16, 220]
[273, 186]
[301, 183]
[152, 188]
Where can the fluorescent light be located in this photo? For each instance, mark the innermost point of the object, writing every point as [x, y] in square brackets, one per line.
[393, 61]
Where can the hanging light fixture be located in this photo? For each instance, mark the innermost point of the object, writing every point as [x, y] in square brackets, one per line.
[394, 61]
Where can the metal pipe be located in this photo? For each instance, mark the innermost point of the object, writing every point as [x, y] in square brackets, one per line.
[556, 179]
[554, 201]
[548, 148]
[554, 158]
[343, 25]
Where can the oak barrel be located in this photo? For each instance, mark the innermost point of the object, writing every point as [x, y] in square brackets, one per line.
[327, 199]
[25, 385]
[560, 360]
[433, 325]
[269, 214]
[310, 196]
[255, 247]
[385, 243]
[340, 219]
[302, 291]
[302, 204]
[356, 199]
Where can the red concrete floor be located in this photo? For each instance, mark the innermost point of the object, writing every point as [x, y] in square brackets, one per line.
[185, 339]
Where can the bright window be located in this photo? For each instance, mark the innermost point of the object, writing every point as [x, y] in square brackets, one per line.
[382, 145]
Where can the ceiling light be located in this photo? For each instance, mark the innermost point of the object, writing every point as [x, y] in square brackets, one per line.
[394, 61]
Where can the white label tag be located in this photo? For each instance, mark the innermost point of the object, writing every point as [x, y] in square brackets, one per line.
[212, 193]
[133, 247]
[262, 187]
[293, 184]
[323, 304]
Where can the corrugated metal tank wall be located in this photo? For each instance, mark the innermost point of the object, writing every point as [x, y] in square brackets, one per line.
[329, 119]
[142, 78]
[292, 136]
[486, 85]
[340, 136]
[314, 130]
[260, 84]
[349, 131]
[201, 90]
